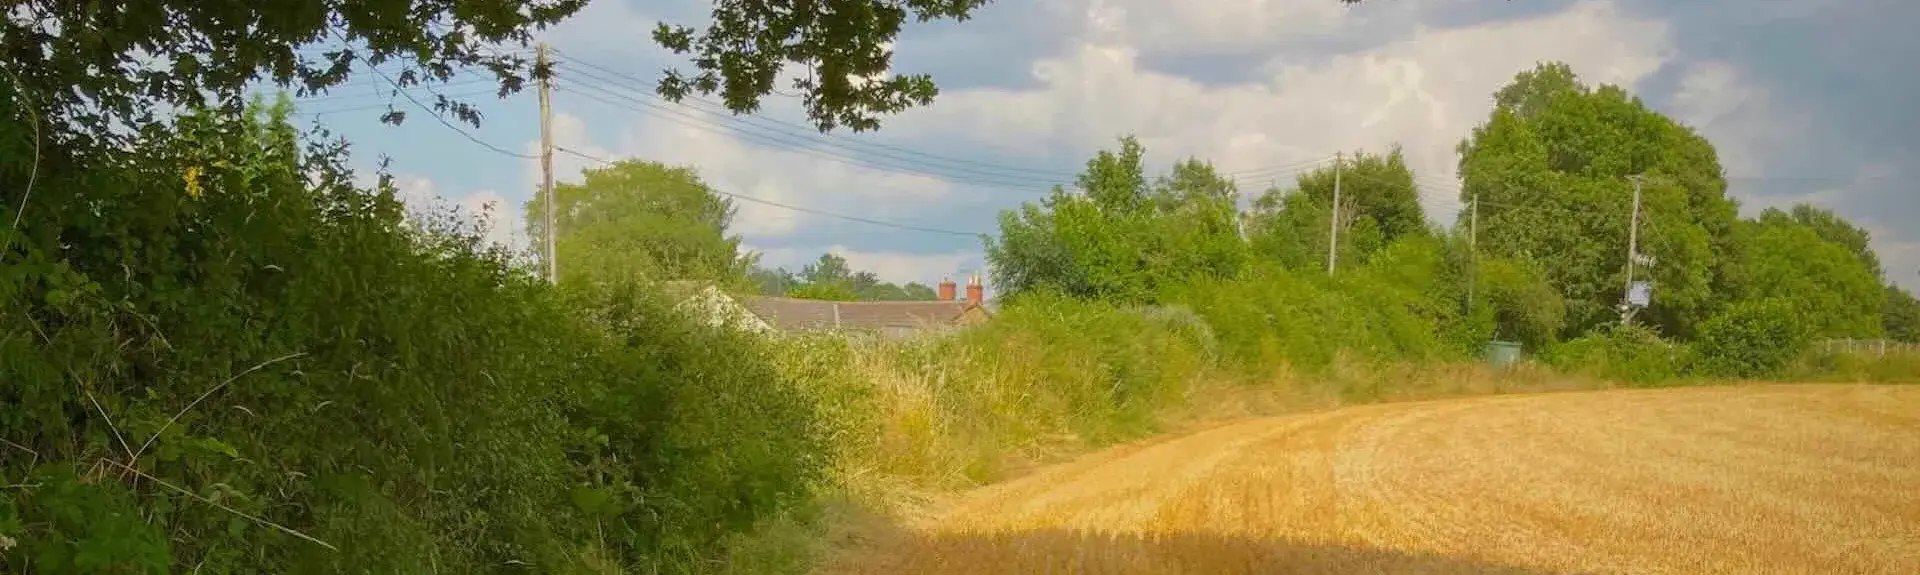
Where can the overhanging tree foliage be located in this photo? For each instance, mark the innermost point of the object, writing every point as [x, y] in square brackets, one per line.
[93, 65]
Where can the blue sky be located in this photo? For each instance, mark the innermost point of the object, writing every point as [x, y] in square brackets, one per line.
[1805, 101]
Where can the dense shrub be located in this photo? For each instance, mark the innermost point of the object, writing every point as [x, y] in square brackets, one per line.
[217, 354]
[1632, 354]
[1757, 338]
[1525, 308]
[1398, 306]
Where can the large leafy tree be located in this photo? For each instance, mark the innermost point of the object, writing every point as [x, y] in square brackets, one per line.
[1551, 169]
[637, 219]
[1120, 235]
[1833, 292]
[1379, 204]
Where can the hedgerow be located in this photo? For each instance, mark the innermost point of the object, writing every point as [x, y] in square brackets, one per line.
[219, 354]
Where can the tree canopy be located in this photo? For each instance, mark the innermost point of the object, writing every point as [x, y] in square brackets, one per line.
[636, 219]
[1833, 228]
[1786, 258]
[92, 67]
[1119, 235]
[1379, 204]
[1551, 170]
[831, 278]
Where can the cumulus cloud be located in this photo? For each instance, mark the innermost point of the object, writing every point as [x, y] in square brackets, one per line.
[498, 219]
[1424, 92]
[1747, 129]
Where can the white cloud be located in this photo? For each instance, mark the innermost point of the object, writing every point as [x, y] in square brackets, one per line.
[499, 219]
[1210, 27]
[1747, 129]
[809, 177]
[1425, 92]
[1900, 260]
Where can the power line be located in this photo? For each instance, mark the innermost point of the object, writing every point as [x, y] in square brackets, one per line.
[436, 116]
[388, 104]
[801, 209]
[633, 83]
[694, 121]
[630, 83]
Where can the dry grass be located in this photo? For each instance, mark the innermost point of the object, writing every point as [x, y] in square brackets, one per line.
[1697, 480]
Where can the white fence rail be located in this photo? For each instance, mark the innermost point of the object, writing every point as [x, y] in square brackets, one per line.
[1878, 347]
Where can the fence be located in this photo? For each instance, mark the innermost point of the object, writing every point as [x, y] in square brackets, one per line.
[1877, 347]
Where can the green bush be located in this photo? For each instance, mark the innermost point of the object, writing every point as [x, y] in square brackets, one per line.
[1631, 354]
[1757, 338]
[1399, 306]
[216, 353]
[1064, 364]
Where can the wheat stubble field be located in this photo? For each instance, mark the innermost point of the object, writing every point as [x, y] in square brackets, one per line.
[1752, 479]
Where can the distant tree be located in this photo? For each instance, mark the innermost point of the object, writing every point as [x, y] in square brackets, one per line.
[1833, 228]
[831, 278]
[1379, 204]
[776, 281]
[1119, 235]
[830, 268]
[830, 291]
[1832, 290]
[641, 219]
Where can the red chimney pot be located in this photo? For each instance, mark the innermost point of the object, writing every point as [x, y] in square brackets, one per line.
[946, 289]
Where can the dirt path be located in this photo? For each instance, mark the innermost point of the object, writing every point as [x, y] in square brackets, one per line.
[1774, 479]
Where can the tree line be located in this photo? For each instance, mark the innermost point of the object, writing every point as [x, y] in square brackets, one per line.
[1551, 169]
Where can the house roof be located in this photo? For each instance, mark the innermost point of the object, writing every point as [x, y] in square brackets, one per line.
[791, 314]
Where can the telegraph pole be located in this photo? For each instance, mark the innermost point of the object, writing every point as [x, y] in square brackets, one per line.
[1633, 251]
[1333, 226]
[1473, 248]
[546, 165]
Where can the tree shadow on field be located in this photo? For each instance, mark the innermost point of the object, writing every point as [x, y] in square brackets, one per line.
[1057, 551]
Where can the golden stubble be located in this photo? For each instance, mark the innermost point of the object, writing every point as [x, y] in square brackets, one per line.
[1748, 479]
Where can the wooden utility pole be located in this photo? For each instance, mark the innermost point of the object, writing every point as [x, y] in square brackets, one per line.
[1473, 248]
[1333, 224]
[546, 165]
[1633, 251]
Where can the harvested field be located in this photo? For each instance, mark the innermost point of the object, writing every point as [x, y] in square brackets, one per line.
[1774, 479]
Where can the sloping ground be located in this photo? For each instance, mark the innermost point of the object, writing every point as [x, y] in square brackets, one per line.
[1772, 479]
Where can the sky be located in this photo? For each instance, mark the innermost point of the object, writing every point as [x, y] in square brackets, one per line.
[1804, 100]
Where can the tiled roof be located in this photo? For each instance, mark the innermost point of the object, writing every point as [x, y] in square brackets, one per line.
[789, 314]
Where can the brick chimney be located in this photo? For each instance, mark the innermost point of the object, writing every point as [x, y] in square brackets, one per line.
[976, 293]
[946, 289]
